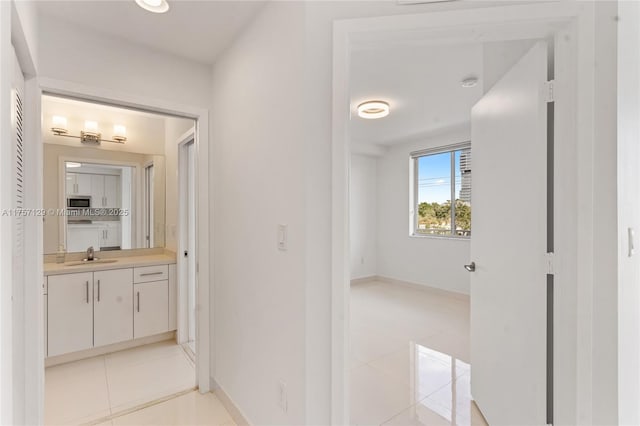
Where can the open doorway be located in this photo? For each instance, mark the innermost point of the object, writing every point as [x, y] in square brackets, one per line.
[423, 209]
[110, 239]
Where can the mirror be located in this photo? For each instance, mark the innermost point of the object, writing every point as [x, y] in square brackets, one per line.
[110, 195]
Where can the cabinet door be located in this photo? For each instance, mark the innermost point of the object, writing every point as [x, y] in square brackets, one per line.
[70, 313]
[70, 180]
[112, 234]
[111, 191]
[97, 191]
[81, 237]
[83, 184]
[113, 306]
[151, 308]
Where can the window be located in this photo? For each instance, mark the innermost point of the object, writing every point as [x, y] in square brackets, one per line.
[440, 176]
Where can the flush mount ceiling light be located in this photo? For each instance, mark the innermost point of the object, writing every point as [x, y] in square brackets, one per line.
[470, 82]
[373, 109]
[155, 6]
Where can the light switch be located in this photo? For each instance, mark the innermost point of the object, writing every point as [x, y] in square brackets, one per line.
[632, 242]
[282, 237]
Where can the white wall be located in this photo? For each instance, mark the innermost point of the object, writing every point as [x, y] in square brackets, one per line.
[259, 178]
[363, 221]
[431, 261]
[628, 212]
[82, 55]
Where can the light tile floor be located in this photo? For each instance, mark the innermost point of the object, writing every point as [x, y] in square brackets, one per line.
[88, 390]
[410, 357]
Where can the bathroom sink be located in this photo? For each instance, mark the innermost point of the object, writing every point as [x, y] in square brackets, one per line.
[90, 262]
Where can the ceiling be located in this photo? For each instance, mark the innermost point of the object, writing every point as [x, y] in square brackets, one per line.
[422, 83]
[195, 30]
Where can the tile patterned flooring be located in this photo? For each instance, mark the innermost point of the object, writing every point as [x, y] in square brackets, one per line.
[410, 357]
[409, 366]
[89, 390]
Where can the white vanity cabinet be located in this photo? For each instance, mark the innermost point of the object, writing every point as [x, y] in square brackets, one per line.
[112, 306]
[151, 313]
[88, 310]
[69, 313]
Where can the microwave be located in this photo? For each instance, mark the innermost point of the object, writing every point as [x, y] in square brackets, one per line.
[79, 202]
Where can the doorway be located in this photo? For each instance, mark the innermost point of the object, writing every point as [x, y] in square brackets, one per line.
[345, 48]
[158, 227]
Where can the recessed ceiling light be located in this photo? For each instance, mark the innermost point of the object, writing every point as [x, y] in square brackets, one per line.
[373, 109]
[155, 6]
[470, 82]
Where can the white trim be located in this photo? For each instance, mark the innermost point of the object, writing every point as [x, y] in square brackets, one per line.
[517, 22]
[201, 116]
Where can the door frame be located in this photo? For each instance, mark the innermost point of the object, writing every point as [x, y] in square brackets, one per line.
[572, 355]
[183, 230]
[201, 140]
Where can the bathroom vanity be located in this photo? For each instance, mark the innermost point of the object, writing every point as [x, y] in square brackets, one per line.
[108, 304]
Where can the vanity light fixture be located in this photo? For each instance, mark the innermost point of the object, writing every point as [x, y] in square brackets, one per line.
[59, 125]
[155, 6]
[119, 133]
[90, 135]
[373, 109]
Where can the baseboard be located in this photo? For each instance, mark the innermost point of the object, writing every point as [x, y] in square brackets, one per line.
[75, 356]
[237, 416]
[423, 287]
[363, 280]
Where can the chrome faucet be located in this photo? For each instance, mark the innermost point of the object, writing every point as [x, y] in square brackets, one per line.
[90, 253]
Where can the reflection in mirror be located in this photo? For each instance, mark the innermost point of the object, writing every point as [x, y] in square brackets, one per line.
[116, 191]
[101, 209]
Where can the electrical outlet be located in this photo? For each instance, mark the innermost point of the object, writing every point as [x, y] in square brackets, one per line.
[282, 396]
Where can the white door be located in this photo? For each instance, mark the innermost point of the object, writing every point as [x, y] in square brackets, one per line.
[191, 242]
[151, 310]
[187, 216]
[70, 313]
[508, 245]
[112, 306]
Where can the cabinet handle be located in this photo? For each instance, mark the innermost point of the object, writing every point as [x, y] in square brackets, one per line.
[98, 290]
[151, 273]
[87, 289]
[138, 295]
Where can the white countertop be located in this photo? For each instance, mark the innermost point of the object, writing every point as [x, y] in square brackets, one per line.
[120, 263]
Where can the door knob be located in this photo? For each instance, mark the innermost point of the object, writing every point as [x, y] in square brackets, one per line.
[471, 267]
